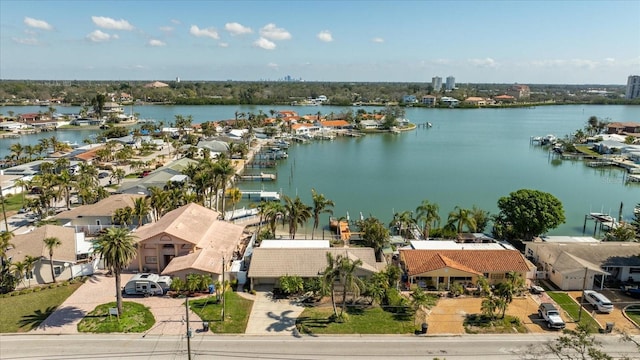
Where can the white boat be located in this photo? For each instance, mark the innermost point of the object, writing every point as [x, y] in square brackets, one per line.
[429, 124]
[636, 210]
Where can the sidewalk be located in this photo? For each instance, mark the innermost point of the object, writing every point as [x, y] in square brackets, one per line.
[169, 313]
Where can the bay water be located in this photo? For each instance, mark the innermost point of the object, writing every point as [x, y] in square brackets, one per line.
[468, 157]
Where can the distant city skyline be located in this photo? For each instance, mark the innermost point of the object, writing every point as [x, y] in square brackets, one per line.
[527, 42]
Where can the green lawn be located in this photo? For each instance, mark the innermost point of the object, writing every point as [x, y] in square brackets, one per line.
[481, 324]
[135, 318]
[633, 312]
[586, 149]
[13, 202]
[572, 308]
[22, 313]
[315, 320]
[236, 314]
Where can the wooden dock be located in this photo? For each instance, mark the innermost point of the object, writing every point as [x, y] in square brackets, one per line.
[258, 177]
[260, 164]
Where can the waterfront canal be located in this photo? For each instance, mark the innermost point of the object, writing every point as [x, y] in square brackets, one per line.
[469, 157]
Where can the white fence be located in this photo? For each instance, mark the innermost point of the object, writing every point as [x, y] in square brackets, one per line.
[85, 269]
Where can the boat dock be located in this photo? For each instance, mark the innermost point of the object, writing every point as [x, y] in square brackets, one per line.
[260, 164]
[600, 163]
[258, 177]
[600, 221]
[261, 195]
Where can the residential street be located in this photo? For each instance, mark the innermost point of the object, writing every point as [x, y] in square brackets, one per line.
[478, 347]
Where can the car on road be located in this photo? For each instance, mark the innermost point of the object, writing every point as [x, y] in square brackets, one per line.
[599, 301]
[551, 315]
[535, 289]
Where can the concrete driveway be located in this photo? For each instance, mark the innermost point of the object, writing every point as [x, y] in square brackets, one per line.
[99, 289]
[271, 316]
[619, 300]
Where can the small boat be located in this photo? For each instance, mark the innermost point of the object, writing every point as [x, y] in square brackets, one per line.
[429, 124]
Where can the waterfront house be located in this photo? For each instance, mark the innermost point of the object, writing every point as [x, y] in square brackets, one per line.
[429, 100]
[624, 128]
[91, 218]
[371, 124]
[334, 124]
[13, 126]
[409, 99]
[449, 101]
[112, 108]
[504, 99]
[438, 268]
[190, 239]
[70, 259]
[268, 265]
[519, 91]
[305, 130]
[475, 101]
[565, 264]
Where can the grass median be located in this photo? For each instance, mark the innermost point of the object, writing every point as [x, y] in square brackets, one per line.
[375, 320]
[572, 308]
[236, 313]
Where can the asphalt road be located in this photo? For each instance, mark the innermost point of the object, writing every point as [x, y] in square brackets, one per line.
[477, 347]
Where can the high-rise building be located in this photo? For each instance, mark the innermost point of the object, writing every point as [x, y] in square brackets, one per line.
[451, 83]
[633, 87]
[436, 83]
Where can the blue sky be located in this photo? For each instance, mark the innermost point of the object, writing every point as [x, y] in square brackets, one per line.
[558, 42]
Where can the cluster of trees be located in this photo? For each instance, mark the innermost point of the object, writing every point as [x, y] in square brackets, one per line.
[270, 92]
[340, 281]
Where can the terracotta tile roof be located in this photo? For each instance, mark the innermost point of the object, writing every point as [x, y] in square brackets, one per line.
[623, 124]
[334, 123]
[32, 244]
[474, 261]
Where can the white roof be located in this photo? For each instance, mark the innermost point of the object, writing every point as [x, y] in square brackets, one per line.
[452, 245]
[295, 244]
[569, 239]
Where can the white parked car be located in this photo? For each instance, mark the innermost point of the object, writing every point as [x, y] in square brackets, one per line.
[599, 301]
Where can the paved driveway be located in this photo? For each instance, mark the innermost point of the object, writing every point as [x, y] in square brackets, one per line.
[620, 300]
[271, 316]
[99, 289]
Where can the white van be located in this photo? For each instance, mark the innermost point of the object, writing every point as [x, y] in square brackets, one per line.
[599, 301]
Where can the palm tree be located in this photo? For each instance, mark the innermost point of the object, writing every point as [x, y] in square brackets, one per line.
[328, 279]
[16, 151]
[141, 209]
[51, 243]
[66, 182]
[297, 213]
[428, 214]
[123, 216]
[350, 282]
[224, 170]
[402, 221]
[375, 235]
[272, 212]
[18, 270]
[320, 205]
[460, 218]
[30, 262]
[235, 195]
[481, 218]
[117, 248]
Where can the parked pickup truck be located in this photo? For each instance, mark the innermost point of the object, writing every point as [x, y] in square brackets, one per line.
[551, 315]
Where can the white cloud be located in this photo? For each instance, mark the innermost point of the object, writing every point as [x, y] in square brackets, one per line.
[99, 36]
[27, 41]
[610, 60]
[265, 44]
[272, 32]
[487, 62]
[155, 42]
[377, 40]
[235, 28]
[272, 65]
[581, 63]
[325, 35]
[223, 44]
[208, 32]
[166, 29]
[176, 22]
[111, 24]
[38, 24]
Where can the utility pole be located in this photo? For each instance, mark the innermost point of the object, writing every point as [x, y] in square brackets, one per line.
[584, 284]
[223, 288]
[186, 304]
[4, 212]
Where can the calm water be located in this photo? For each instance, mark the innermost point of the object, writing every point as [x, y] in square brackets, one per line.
[468, 157]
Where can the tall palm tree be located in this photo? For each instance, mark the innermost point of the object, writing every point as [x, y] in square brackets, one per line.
[403, 221]
[51, 243]
[320, 205]
[350, 282]
[66, 182]
[117, 248]
[123, 216]
[224, 170]
[5, 244]
[272, 212]
[159, 202]
[460, 218]
[16, 151]
[297, 214]
[235, 195]
[141, 209]
[428, 214]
